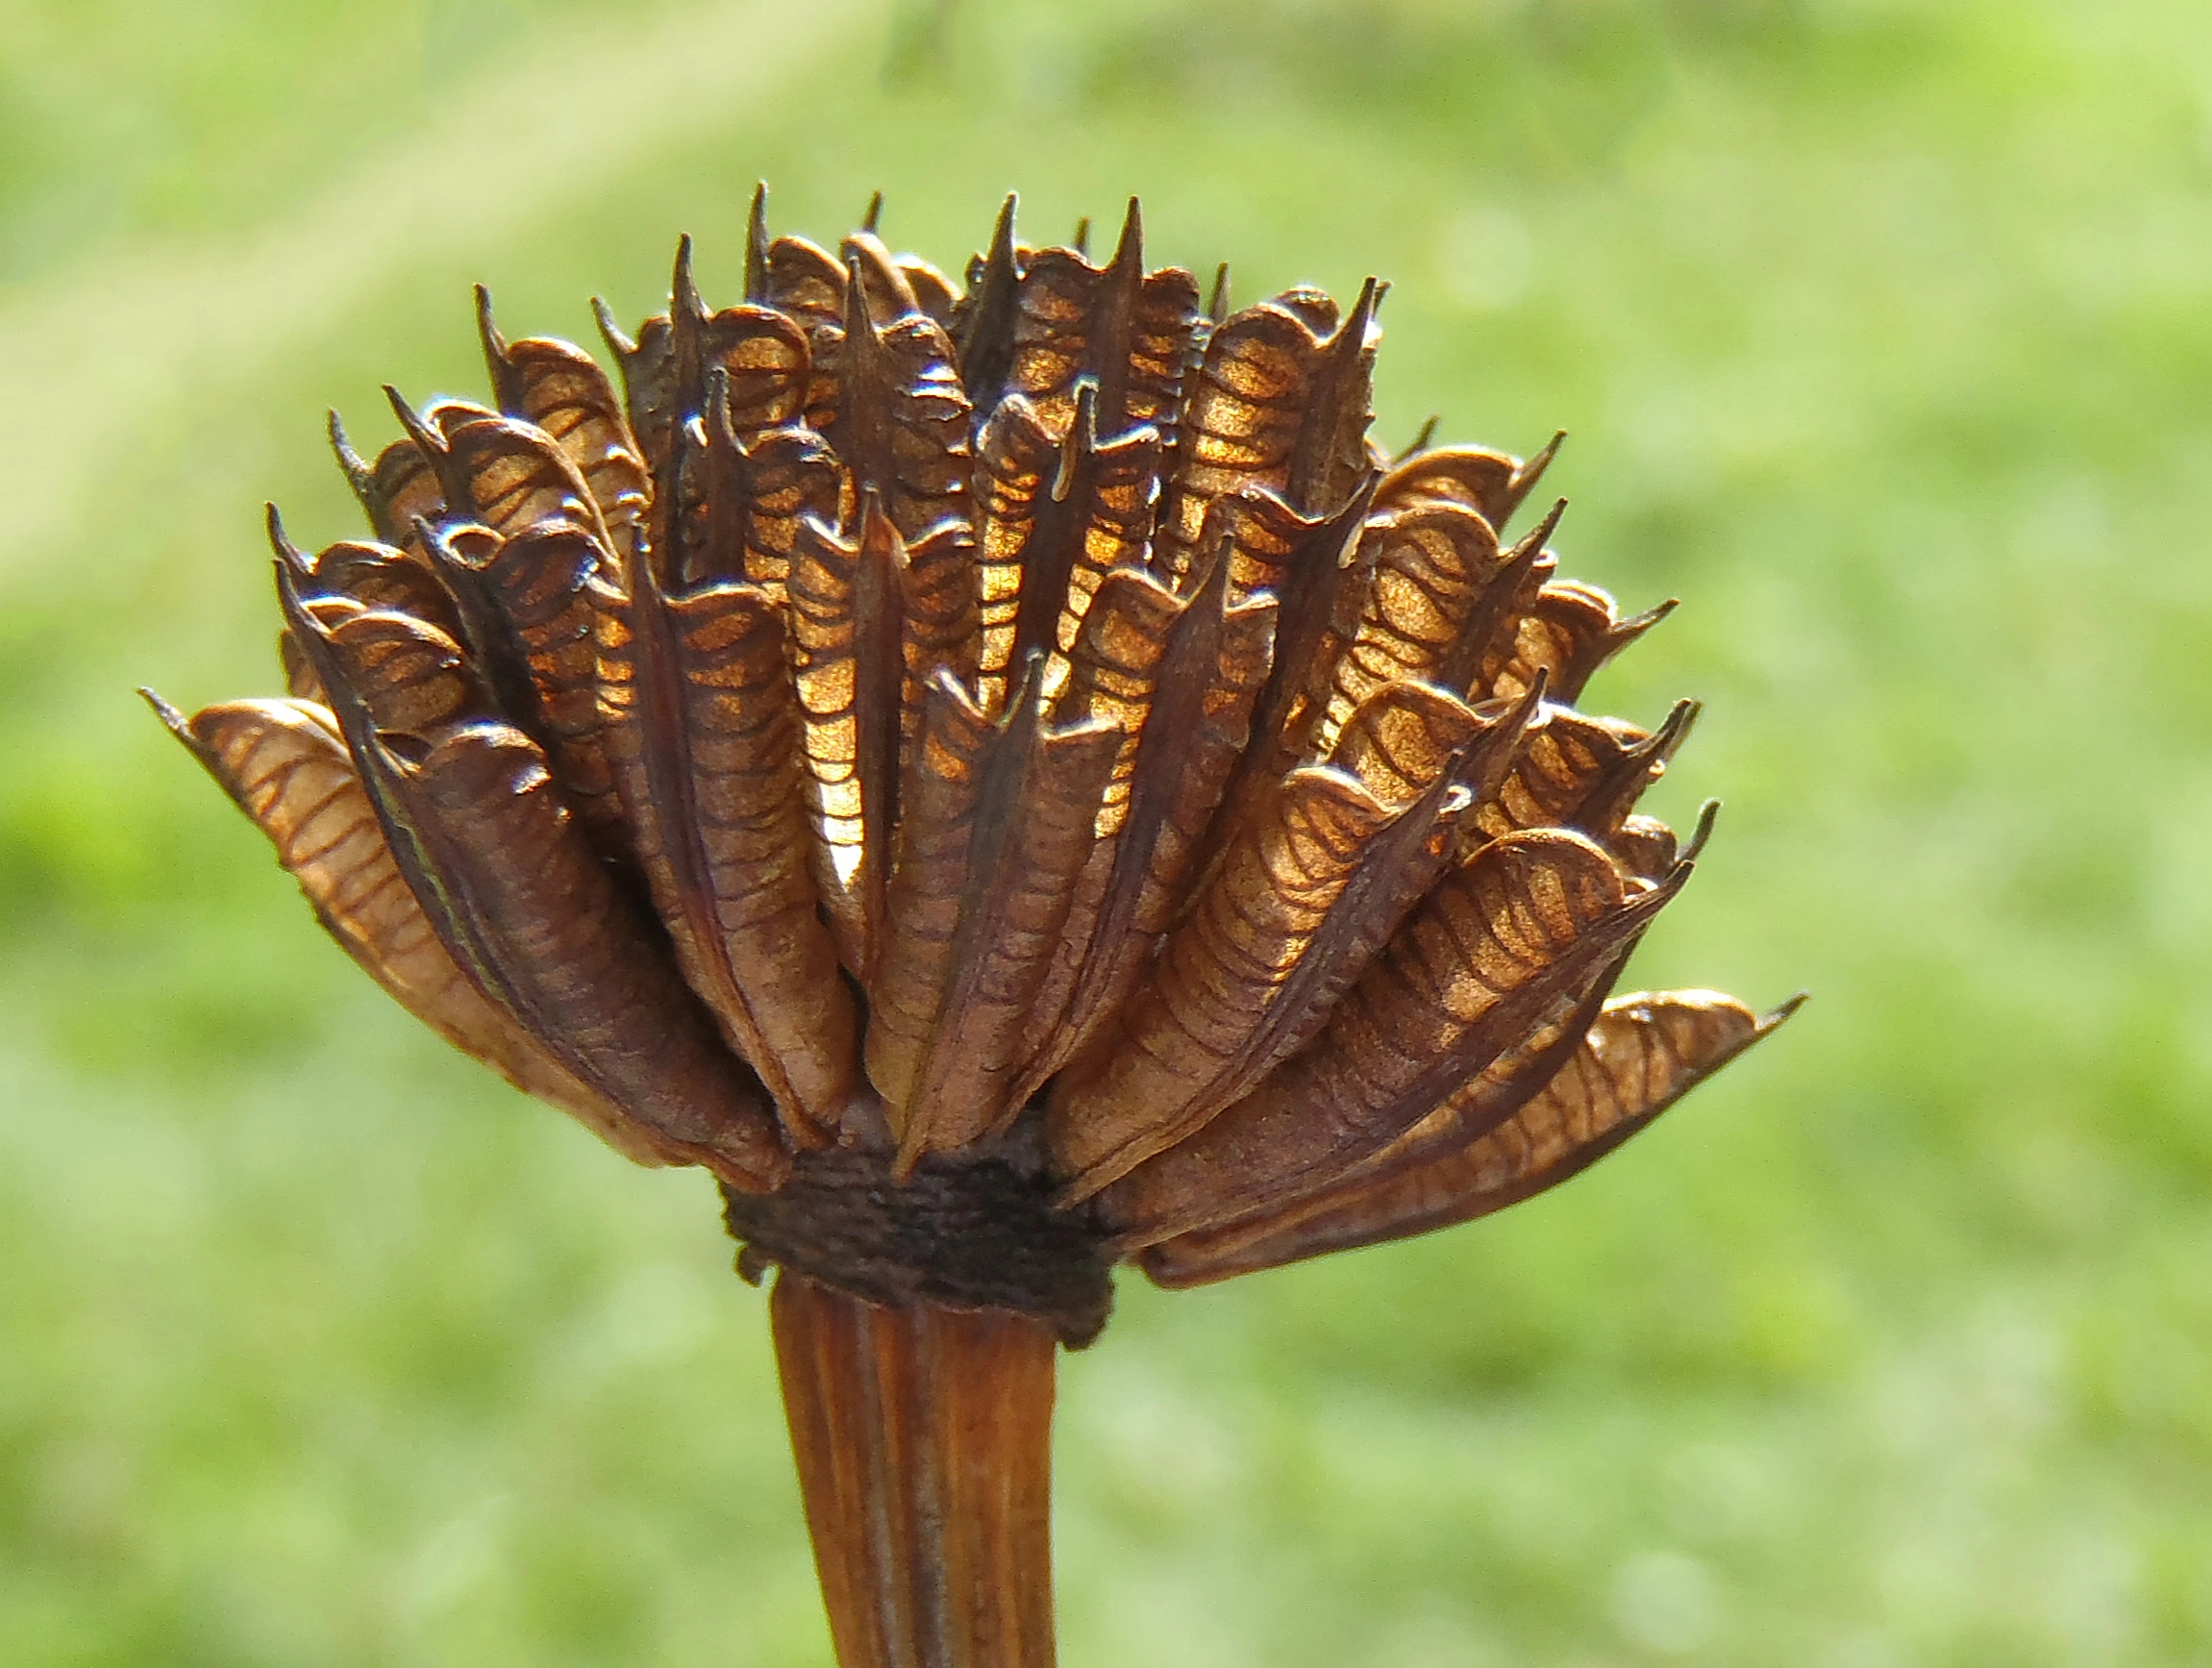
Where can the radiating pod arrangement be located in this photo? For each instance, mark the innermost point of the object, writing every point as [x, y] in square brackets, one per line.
[1008, 777]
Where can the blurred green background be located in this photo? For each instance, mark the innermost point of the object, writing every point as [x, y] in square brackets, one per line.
[1883, 329]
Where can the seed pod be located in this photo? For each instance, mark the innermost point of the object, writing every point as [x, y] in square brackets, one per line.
[1640, 1056]
[1009, 778]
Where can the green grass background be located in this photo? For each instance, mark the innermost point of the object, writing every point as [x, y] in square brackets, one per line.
[1883, 329]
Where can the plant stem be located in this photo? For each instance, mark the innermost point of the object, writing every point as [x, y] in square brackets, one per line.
[923, 1436]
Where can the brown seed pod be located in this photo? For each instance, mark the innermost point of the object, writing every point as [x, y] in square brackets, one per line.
[1007, 777]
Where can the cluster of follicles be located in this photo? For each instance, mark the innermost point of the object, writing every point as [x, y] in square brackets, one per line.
[1008, 776]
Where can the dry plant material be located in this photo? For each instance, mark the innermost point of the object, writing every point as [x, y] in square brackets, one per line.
[1009, 778]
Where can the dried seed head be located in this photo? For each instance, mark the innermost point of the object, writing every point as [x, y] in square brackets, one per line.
[1007, 778]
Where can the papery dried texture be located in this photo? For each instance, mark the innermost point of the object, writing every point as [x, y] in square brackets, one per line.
[548, 935]
[1567, 632]
[796, 276]
[762, 363]
[944, 780]
[1643, 1054]
[1034, 828]
[396, 492]
[1405, 735]
[516, 896]
[378, 576]
[803, 281]
[1054, 518]
[934, 292]
[882, 281]
[1275, 404]
[1130, 334]
[703, 732]
[534, 607]
[1111, 679]
[406, 677]
[1442, 592]
[1502, 1089]
[940, 624]
[506, 474]
[872, 623]
[1525, 923]
[1491, 484]
[847, 602]
[1116, 662]
[765, 360]
[1319, 568]
[374, 576]
[1503, 637]
[560, 389]
[283, 764]
[997, 821]
[1306, 896]
[1174, 523]
[1271, 547]
[1581, 773]
[901, 420]
[1254, 972]
[1180, 1050]
[757, 497]
[1180, 679]
[924, 1442]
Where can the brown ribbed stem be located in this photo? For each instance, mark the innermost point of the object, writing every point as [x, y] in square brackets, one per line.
[924, 1442]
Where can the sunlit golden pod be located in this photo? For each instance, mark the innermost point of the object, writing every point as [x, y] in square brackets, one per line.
[1011, 778]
